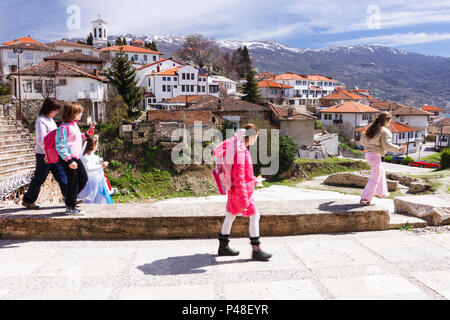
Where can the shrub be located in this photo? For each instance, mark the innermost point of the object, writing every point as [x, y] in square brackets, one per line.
[288, 150]
[387, 159]
[318, 125]
[407, 160]
[445, 158]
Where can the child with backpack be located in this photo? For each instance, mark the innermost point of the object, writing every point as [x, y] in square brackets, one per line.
[44, 125]
[96, 190]
[235, 178]
[69, 142]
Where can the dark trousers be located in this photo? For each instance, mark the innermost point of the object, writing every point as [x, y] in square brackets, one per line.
[42, 170]
[76, 180]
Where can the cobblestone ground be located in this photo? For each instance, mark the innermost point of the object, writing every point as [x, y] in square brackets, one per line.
[395, 264]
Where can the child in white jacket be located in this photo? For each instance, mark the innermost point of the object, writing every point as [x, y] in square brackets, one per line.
[96, 190]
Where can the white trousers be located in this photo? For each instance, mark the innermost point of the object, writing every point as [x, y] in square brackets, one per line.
[253, 225]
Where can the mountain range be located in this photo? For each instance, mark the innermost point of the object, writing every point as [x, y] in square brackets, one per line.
[391, 74]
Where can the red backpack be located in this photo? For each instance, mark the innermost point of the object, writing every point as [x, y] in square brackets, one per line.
[51, 153]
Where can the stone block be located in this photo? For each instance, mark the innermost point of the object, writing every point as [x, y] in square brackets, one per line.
[358, 179]
[435, 209]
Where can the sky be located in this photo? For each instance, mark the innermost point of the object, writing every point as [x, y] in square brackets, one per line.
[415, 25]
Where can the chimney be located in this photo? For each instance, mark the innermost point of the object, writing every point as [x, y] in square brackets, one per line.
[290, 112]
[95, 72]
[56, 65]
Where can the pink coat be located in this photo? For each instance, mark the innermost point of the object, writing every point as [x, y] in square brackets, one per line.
[243, 179]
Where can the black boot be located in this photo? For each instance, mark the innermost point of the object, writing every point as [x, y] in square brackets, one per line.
[224, 249]
[258, 254]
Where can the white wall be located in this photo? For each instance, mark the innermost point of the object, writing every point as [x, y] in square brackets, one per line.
[141, 75]
[354, 119]
[28, 58]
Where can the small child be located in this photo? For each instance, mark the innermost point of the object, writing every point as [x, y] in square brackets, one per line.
[96, 190]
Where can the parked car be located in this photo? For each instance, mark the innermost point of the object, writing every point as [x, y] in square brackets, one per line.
[423, 164]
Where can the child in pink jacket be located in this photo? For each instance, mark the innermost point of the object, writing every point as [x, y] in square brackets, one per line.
[240, 200]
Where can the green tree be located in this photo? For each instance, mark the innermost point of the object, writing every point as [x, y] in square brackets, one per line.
[445, 158]
[151, 45]
[119, 41]
[90, 39]
[287, 151]
[250, 88]
[124, 41]
[123, 77]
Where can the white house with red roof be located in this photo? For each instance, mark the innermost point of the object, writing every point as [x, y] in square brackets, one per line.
[66, 46]
[350, 112]
[411, 116]
[33, 53]
[155, 67]
[306, 89]
[63, 81]
[273, 92]
[436, 113]
[135, 54]
[184, 80]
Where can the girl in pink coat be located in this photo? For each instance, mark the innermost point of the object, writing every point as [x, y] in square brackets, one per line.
[240, 200]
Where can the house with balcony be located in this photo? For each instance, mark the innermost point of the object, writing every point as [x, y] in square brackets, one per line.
[182, 80]
[227, 87]
[402, 134]
[412, 117]
[143, 72]
[32, 53]
[436, 113]
[348, 117]
[273, 92]
[63, 81]
[340, 96]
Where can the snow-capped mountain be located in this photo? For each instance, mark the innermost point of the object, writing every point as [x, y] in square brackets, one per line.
[393, 74]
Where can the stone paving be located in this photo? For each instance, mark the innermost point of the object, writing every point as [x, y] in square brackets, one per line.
[391, 264]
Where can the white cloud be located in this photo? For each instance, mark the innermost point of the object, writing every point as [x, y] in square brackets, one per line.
[394, 40]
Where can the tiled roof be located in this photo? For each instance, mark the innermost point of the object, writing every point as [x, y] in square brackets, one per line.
[48, 69]
[396, 127]
[288, 76]
[159, 61]
[445, 130]
[23, 39]
[189, 99]
[127, 48]
[168, 72]
[431, 108]
[410, 111]
[342, 95]
[229, 105]
[281, 113]
[318, 77]
[74, 56]
[350, 107]
[72, 44]
[272, 84]
[29, 46]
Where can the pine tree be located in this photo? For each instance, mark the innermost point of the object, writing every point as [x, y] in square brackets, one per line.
[90, 39]
[124, 41]
[119, 41]
[123, 77]
[250, 88]
[151, 45]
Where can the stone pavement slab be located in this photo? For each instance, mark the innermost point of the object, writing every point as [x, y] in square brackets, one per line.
[195, 292]
[436, 280]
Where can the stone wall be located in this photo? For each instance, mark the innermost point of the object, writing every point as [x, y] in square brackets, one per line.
[188, 117]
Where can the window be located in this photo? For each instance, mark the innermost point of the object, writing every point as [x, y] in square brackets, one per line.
[199, 89]
[95, 33]
[203, 88]
[168, 78]
[136, 57]
[38, 86]
[104, 33]
[168, 88]
[192, 88]
[187, 88]
[28, 55]
[149, 82]
[99, 33]
[175, 86]
[164, 78]
[192, 76]
[164, 88]
[27, 86]
[149, 101]
[48, 86]
[273, 91]
[183, 76]
[183, 88]
[62, 82]
[365, 116]
[154, 58]
[145, 57]
[175, 79]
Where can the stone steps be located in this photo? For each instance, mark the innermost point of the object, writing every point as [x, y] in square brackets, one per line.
[15, 167]
[25, 152]
[15, 138]
[172, 220]
[27, 157]
[16, 147]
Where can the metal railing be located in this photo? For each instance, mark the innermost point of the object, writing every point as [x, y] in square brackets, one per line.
[9, 185]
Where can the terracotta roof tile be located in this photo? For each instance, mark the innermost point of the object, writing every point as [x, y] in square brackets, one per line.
[229, 105]
[127, 48]
[23, 39]
[403, 110]
[156, 62]
[272, 84]
[72, 44]
[342, 95]
[350, 107]
[431, 108]
[396, 127]
[288, 76]
[281, 113]
[74, 56]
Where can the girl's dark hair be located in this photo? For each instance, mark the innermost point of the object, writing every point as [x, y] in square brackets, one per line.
[70, 110]
[381, 120]
[49, 105]
[91, 141]
[250, 130]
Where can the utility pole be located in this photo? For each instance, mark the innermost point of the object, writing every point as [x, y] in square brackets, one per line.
[18, 51]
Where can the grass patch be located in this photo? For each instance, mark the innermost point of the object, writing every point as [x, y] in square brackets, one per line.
[406, 227]
[310, 168]
[5, 99]
[435, 158]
